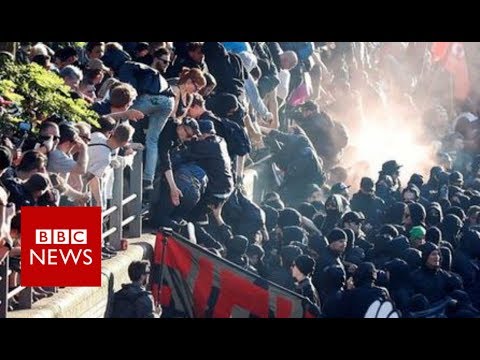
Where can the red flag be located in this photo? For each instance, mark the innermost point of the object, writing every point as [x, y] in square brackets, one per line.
[439, 50]
[452, 57]
[196, 283]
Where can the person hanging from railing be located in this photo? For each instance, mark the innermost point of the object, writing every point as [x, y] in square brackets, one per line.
[172, 136]
[211, 154]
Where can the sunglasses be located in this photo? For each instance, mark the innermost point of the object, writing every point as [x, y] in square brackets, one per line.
[86, 138]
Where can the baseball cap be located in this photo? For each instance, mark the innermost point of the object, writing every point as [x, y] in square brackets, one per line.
[192, 124]
[207, 127]
[456, 178]
[353, 216]
[97, 64]
[338, 188]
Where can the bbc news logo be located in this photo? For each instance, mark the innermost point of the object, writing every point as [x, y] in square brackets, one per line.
[61, 246]
[63, 255]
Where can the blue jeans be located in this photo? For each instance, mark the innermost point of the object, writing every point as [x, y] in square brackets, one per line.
[158, 108]
[192, 182]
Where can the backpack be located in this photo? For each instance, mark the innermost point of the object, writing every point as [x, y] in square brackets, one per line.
[144, 78]
[237, 140]
[124, 304]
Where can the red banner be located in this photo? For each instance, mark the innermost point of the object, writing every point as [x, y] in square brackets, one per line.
[452, 57]
[198, 284]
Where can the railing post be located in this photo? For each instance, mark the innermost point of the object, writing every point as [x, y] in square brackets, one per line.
[3, 288]
[136, 187]
[25, 298]
[117, 217]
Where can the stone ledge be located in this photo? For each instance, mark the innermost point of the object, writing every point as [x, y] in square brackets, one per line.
[88, 302]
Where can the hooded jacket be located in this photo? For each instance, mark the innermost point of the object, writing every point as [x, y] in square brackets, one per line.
[306, 288]
[400, 286]
[358, 300]
[435, 284]
[395, 213]
[226, 68]
[327, 258]
[334, 217]
[450, 227]
[466, 265]
[370, 205]
[417, 215]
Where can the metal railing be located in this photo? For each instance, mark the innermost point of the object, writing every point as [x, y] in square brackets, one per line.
[125, 210]
[125, 183]
[24, 293]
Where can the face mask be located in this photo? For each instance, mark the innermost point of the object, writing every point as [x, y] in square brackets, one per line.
[433, 217]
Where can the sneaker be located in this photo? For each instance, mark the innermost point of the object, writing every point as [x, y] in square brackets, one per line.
[109, 249]
[106, 256]
[147, 185]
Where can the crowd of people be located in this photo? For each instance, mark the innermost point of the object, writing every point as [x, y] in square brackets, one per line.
[206, 111]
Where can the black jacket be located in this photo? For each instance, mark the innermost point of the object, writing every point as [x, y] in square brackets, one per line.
[283, 277]
[434, 284]
[144, 78]
[226, 68]
[18, 193]
[371, 206]
[212, 156]
[167, 141]
[299, 160]
[133, 301]
[306, 288]
[181, 62]
[333, 306]
[465, 263]
[358, 300]
[326, 258]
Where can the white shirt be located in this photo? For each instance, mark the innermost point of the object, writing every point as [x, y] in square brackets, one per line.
[282, 88]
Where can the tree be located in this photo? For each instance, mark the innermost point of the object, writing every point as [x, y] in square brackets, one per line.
[37, 93]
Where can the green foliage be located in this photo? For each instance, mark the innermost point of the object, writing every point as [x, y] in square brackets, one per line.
[41, 93]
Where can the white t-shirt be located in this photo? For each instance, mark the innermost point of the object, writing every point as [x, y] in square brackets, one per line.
[99, 154]
[100, 157]
[282, 89]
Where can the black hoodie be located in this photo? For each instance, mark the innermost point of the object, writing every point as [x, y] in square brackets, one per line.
[400, 286]
[466, 265]
[450, 227]
[417, 214]
[358, 300]
[436, 283]
[334, 217]
[395, 213]
[434, 214]
[370, 205]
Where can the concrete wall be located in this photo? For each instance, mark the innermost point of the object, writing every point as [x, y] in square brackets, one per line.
[91, 302]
